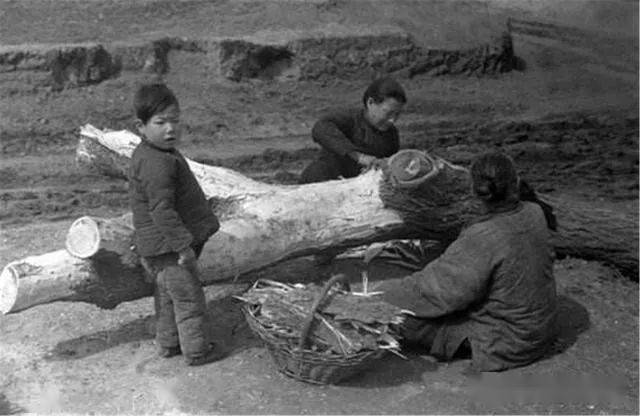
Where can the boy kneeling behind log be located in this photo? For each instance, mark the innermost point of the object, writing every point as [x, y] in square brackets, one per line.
[172, 221]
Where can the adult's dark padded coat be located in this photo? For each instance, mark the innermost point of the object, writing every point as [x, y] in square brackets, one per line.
[493, 286]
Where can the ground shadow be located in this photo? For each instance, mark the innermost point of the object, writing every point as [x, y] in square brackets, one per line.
[519, 64]
[226, 324]
[392, 370]
[8, 408]
[226, 327]
[573, 319]
[94, 343]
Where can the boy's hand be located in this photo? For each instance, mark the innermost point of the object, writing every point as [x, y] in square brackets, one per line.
[186, 257]
[370, 162]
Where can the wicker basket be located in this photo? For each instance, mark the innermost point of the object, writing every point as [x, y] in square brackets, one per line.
[307, 365]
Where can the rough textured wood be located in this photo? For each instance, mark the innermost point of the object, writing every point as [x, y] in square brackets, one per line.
[596, 234]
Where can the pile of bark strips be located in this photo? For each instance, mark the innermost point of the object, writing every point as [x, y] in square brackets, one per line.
[344, 323]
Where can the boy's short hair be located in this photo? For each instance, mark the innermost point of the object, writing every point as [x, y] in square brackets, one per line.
[151, 99]
[383, 88]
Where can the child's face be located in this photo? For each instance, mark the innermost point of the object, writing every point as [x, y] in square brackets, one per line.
[163, 128]
[384, 114]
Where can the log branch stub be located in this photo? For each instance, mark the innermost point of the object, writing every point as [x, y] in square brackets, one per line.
[431, 195]
[88, 235]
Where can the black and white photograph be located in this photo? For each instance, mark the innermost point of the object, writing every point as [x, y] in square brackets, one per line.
[319, 207]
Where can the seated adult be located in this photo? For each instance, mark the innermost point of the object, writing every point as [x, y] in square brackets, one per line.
[492, 291]
[353, 140]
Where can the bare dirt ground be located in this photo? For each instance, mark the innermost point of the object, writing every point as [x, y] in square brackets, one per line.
[569, 117]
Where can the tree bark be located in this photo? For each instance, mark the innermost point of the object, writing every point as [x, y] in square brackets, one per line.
[597, 234]
[263, 224]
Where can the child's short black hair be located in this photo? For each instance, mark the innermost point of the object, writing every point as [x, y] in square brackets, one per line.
[151, 99]
[383, 88]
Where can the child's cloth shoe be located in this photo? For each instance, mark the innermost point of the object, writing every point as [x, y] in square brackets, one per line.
[212, 354]
[168, 352]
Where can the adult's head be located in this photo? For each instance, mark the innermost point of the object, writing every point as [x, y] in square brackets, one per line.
[383, 102]
[495, 181]
[158, 115]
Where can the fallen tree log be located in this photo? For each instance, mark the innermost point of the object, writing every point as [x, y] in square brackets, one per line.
[256, 231]
[106, 280]
[108, 153]
[584, 231]
[263, 224]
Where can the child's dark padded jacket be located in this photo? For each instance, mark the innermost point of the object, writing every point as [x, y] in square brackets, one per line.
[170, 210]
[345, 131]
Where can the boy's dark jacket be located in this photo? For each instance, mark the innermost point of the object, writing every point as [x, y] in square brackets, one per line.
[347, 130]
[170, 210]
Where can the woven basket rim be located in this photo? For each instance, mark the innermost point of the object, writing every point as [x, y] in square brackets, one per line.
[295, 360]
[283, 344]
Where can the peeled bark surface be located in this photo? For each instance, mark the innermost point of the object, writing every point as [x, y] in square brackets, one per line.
[263, 224]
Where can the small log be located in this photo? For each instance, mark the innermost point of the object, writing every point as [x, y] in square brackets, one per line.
[106, 280]
[89, 235]
[59, 276]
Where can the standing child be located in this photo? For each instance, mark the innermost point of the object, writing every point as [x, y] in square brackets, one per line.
[172, 221]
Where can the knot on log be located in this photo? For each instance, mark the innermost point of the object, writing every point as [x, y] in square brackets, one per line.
[409, 168]
[431, 195]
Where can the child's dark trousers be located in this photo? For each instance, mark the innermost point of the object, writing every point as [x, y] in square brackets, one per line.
[179, 303]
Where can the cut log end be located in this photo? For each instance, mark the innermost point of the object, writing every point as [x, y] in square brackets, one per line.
[83, 238]
[8, 289]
